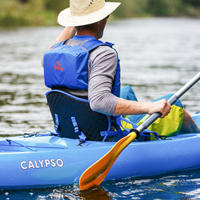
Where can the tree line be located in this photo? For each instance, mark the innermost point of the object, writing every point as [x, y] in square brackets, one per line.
[140, 8]
[44, 12]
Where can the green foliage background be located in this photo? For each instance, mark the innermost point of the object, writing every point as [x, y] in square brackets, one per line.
[44, 12]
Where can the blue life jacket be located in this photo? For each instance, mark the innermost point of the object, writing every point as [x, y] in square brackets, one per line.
[67, 66]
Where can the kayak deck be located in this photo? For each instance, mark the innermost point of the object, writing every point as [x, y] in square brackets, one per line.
[48, 161]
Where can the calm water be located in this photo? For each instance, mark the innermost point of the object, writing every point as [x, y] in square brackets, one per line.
[157, 56]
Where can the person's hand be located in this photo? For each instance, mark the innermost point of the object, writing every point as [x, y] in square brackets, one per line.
[161, 106]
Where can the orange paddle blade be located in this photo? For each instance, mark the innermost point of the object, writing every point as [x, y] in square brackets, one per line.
[96, 173]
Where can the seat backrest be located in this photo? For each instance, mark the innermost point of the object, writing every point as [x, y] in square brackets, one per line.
[65, 106]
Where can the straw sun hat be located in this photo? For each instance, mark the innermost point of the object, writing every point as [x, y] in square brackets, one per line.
[83, 12]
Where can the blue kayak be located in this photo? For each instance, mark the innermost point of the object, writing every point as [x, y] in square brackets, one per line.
[50, 161]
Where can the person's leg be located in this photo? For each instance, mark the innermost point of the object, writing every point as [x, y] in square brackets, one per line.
[189, 125]
[179, 120]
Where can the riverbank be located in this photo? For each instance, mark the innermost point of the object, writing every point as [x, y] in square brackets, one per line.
[14, 13]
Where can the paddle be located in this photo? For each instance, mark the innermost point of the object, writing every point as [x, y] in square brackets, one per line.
[96, 173]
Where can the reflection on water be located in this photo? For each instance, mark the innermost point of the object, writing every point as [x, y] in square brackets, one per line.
[183, 185]
[157, 56]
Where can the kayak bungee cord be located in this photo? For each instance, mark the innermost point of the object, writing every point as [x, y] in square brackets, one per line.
[10, 141]
[29, 147]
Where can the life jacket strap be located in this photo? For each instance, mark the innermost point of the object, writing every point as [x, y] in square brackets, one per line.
[56, 126]
[92, 44]
[120, 133]
[145, 132]
[81, 135]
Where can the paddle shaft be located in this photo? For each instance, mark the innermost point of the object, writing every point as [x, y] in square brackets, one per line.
[172, 100]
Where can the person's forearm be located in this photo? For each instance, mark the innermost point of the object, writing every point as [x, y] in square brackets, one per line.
[67, 33]
[127, 107]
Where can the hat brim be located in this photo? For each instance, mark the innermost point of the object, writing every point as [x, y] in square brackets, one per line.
[66, 19]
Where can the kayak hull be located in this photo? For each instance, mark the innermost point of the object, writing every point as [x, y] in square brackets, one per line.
[50, 161]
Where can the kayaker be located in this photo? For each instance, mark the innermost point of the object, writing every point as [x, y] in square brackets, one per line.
[88, 18]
